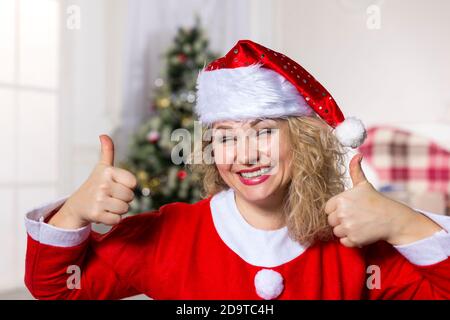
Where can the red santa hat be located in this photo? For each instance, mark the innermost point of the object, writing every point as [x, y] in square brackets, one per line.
[252, 81]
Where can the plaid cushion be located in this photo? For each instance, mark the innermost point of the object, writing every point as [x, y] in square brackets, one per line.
[402, 158]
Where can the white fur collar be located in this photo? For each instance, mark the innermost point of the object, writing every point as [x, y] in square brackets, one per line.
[263, 248]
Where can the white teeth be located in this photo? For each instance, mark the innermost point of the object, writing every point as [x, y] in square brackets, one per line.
[255, 173]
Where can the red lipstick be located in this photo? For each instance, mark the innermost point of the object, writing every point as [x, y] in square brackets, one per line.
[254, 180]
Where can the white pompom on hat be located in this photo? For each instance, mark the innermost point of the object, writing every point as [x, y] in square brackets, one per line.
[252, 81]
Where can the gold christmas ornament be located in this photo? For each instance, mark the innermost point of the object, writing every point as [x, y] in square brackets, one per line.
[154, 183]
[142, 176]
[163, 103]
[186, 121]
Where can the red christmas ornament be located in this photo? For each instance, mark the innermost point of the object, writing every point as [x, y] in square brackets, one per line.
[153, 136]
[182, 58]
[182, 174]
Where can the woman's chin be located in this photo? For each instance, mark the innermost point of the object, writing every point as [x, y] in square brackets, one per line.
[255, 193]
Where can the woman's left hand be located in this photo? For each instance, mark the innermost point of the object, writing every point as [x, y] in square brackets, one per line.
[362, 215]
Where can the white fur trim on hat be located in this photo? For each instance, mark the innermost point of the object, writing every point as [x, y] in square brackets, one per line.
[351, 132]
[246, 93]
[268, 284]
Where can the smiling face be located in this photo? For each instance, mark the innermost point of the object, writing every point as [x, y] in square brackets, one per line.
[253, 157]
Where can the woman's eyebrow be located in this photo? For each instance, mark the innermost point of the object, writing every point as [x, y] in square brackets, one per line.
[262, 122]
[255, 122]
[223, 126]
[251, 123]
[265, 122]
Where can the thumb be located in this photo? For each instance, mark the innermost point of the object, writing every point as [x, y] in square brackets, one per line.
[356, 172]
[107, 151]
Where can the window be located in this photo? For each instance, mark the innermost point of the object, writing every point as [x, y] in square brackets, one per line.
[29, 95]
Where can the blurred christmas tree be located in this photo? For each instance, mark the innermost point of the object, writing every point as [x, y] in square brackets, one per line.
[160, 181]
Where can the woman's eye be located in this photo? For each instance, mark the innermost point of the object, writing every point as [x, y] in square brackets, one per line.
[264, 131]
[226, 139]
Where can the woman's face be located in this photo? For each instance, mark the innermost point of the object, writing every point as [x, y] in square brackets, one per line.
[253, 157]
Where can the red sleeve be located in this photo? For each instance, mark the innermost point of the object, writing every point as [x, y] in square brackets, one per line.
[106, 262]
[401, 279]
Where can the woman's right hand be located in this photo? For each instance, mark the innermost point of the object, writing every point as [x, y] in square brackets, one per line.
[103, 198]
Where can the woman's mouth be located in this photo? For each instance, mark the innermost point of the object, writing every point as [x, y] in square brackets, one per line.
[252, 177]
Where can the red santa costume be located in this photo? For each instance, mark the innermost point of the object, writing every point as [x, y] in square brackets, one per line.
[207, 250]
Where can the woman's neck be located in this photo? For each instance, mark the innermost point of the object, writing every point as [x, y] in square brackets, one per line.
[265, 215]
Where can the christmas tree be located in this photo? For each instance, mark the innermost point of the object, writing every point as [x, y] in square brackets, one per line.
[160, 181]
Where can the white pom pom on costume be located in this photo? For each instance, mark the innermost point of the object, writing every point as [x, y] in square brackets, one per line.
[351, 132]
[268, 284]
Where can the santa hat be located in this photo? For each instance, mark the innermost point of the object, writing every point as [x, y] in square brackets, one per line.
[252, 81]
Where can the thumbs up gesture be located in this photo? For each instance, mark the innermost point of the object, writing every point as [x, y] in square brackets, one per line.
[362, 215]
[102, 198]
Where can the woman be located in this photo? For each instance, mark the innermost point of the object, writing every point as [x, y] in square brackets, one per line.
[277, 222]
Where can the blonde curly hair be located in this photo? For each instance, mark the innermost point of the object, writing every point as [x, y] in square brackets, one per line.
[318, 173]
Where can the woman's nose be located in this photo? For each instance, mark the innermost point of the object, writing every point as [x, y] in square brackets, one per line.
[247, 151]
